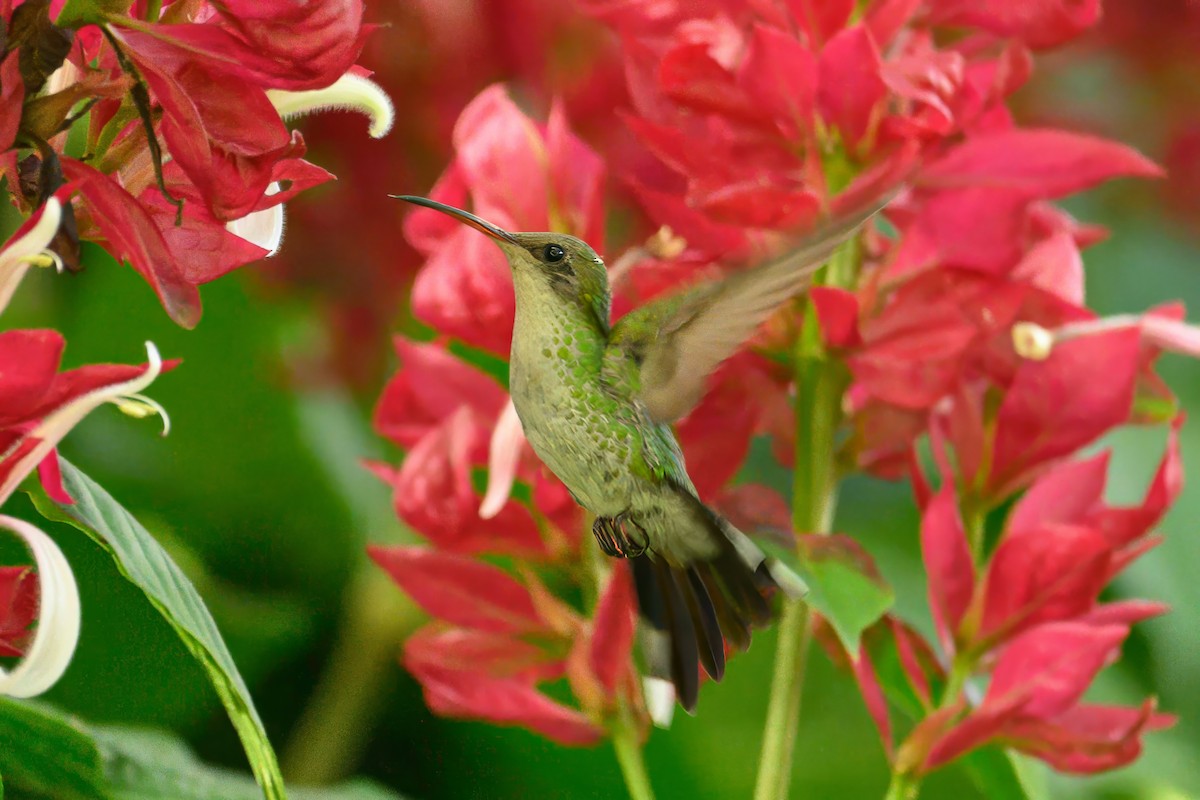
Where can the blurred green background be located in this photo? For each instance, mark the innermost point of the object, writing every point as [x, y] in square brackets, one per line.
[259, 494]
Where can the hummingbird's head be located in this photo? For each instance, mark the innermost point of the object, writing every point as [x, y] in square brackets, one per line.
[566, 263]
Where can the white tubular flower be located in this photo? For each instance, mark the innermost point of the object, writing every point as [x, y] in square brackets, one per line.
[55, 425]
[504, 454]
[263, 228]
[348, 93]
[29, 248]
[57, 630]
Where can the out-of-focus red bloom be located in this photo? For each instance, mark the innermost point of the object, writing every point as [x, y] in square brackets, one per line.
[519, 175]
[18, 609]
[496, 637]
[1040, 23]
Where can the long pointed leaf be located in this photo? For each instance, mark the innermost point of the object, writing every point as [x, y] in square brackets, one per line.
[148, 566]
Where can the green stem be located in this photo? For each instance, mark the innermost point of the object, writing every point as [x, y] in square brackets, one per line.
[628, 748]
[783, 713]
[903, 787]
[328, 741]
[820, 384]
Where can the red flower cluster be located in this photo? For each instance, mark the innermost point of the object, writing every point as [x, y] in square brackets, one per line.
[195, 78]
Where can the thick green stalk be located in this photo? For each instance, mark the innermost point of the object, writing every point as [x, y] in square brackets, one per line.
[628, 747]
[333, 731]
[903, 787]
[820, 383]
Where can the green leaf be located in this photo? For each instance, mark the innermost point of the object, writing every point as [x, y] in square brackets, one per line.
[153, 765]
[77, 13]
[994, 773]
[844, 585]
[46, 755]
[146, 564]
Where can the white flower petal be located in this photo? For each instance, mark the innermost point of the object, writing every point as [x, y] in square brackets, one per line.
[504, 454]
[660, 700]
[350, 93]
[57, 423]
[57, 630]
[263, 228]
[15, 259]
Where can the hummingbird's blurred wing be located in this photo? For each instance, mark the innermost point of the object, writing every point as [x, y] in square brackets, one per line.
[679, 340]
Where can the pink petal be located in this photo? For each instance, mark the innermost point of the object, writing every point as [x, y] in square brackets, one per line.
[504, 454]
[948, 564]
[1051, 573]
[1050, 667]
[460, 589]
[1056, 406]
[1042, 162]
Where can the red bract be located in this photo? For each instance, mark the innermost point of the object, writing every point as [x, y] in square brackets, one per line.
[1056, 406]
[311, 44]
[18, 609]
[1032, 703]
[218, 123]
[461, 590]
[132, 235]
[507, 636]
[433, 492]
[1041, 23]
[430, 385]
[39, 404]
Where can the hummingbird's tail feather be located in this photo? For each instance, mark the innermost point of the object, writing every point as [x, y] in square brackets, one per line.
[689, 611]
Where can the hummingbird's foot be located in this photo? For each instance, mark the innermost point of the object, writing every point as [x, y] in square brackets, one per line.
[620, 536]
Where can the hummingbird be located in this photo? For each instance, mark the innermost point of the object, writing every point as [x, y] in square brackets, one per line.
[596, 400]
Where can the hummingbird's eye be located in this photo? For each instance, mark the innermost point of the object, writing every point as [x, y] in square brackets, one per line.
[553, 253]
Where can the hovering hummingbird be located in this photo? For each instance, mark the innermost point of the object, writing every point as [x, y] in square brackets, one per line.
[596, 401]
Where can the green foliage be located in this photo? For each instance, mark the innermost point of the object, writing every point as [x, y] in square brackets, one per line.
[143, 562]
[77, 13]
[47, 753]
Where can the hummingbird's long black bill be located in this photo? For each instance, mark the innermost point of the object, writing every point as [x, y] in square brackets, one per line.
[481, 225]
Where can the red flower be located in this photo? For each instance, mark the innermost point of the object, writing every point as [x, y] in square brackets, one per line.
[228, 156]
[18, 609]
[518, 175]
[39, 404]
[497, 637]
[1032, 704]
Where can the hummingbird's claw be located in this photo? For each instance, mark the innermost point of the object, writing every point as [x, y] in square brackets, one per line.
[620, 536]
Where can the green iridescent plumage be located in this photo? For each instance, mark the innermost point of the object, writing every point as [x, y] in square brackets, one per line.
[596, 401]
